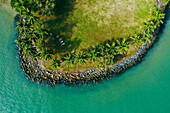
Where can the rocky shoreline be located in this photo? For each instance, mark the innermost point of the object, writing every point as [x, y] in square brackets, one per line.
[36, 74]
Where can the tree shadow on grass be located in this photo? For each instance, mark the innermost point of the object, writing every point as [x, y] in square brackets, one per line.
[60, 24]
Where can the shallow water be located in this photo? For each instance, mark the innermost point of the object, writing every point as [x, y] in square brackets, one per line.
[143, 89]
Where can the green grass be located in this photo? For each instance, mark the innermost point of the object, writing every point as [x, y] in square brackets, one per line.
[165, 1]
[85, 23]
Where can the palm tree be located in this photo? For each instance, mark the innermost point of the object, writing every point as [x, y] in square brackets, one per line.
[29, 50]
[17, 5]
[110, 49]
[136, 40]
[33, 18]
[45, 54]
[149, 26]
[99, 50]
[146, 37]
[39, 31]
[92, 55]
[18, 41]
[55, 63]
[158, 16]
[81, 58]
[46, 6]
[22, 28]
[68, 60]
[122, 46]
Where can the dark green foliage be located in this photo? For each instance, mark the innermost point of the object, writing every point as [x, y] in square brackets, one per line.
[92, 55]
[55, 63]
[122, 46]
[45, 54]
[42, 6]
[68, 59]
[111, 49]
[136, 40]
[80, 58]
[31, 30]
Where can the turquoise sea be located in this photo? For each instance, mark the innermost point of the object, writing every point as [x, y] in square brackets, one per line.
[144, 88]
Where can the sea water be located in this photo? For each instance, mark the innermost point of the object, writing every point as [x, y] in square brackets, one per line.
[144, 88]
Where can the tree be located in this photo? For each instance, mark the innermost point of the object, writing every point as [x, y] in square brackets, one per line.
[21, 27]
[92, 55]
[55, 63]
[122, 46]
[80, 58]
[111, 49]
[146, 37]
[158, 16]
[30, 28]
[99, 50]
[68, 59]
[137, 39]
[45, 54]
[149, 26]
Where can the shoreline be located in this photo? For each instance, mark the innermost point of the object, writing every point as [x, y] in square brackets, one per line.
[51, 78]
[8, 9]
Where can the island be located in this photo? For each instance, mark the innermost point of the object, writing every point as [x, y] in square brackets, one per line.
[78, 42]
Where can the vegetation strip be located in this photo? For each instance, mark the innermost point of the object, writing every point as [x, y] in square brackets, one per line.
[35, 73]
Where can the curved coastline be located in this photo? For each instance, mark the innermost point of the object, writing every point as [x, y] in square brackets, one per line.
[36, 73]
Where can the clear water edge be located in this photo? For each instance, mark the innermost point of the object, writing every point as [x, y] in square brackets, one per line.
[143, 89]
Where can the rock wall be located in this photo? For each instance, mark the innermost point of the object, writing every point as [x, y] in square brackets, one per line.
[36, 73]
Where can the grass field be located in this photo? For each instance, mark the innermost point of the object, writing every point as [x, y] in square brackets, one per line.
[85, 23]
